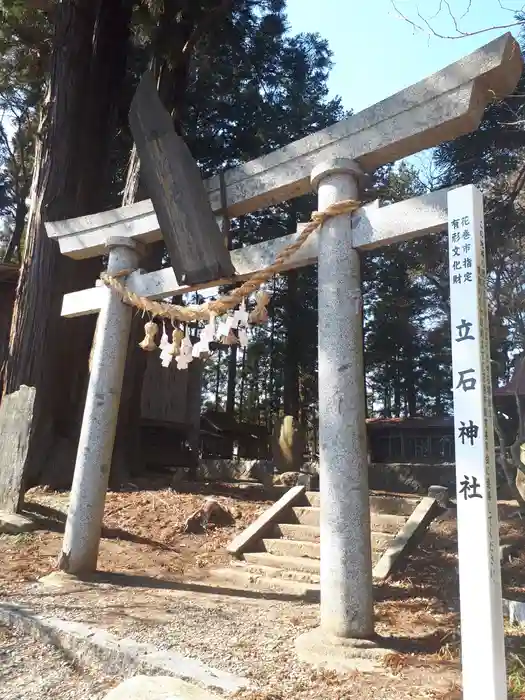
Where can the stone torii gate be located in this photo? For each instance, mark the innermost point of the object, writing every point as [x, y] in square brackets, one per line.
[332, 161]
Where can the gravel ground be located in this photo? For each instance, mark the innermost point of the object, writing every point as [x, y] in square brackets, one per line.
[152, 600]
[31, 670]
[251, 637]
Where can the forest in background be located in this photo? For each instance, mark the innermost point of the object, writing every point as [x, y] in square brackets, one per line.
[238, 85]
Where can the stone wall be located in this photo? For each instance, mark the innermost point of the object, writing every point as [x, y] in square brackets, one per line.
[399, 478]
[235, 470]
[411, 478]
[396, 478]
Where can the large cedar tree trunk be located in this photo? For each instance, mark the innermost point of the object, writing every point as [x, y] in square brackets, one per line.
[70, 175]
[173, 41]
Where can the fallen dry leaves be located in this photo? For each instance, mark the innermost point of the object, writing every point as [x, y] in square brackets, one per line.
[146, 533]
[145, 529]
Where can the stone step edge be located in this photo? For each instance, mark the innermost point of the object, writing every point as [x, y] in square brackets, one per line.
[317, 511]
[119, 656]
[380, 541]
[406, 539]
[304, 590]
[258, 529]
[295, 532]
[143, 686]
[288, 563]
[276, 572]
[280, 543]
[388, 505]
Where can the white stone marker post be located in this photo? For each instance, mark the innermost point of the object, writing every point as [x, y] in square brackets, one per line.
[482, 636]
[346, 561]
[97, 436]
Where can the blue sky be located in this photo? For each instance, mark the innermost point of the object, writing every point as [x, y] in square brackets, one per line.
[377, 53]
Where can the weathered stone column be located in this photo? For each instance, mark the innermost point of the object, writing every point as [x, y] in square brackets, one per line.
[97, 436]
[346, 561]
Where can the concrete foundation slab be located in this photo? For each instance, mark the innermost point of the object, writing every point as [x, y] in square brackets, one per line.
[339, 654]
[65, 582]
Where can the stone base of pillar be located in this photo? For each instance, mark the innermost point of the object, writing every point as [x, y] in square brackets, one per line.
[65, 582]
[340, 654]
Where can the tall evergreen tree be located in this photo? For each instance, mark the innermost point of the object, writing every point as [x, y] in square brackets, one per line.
[405, 322]
[70, 172]
[281, 104]
[238, 86]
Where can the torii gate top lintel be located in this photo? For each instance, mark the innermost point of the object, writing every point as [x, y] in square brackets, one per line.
[445, 105]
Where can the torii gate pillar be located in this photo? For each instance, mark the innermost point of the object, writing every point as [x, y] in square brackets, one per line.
[346, 561]
[97, 436]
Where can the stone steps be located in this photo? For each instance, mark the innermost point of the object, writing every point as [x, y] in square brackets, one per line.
[281, 550]
[380, 522]
[245, 578]
[291, 531]
[281, 573]
[290, 560]
[307, 515]
[295, 549]
[283, 562]
[389, 523]
[294, 537]
[292, 548]
[392, 505]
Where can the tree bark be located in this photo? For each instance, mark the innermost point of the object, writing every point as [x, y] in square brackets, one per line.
[293, 344]
[218, 381]
[243, 376]
[171, 38]
[18, 230]
[397, 390]
[71, 170]
[232, 380]
[411, 394]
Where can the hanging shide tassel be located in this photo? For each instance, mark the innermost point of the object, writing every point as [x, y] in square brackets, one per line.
[185, 355]
[164, 339]
[241, 316]
[260, 314]
[151, 330]
[176, 340]
[231, 329]
[230, 339]
[208, 332]
[224, 327]
[166, 355]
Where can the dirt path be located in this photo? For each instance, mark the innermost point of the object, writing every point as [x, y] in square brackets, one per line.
[154, 589]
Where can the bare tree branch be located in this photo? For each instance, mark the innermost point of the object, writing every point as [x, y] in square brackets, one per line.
[426, 26]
